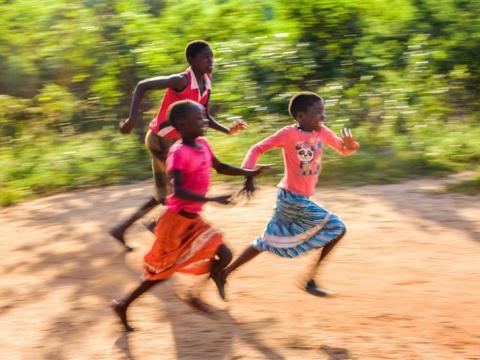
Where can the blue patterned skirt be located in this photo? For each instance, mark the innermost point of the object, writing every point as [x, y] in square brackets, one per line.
[298, 226]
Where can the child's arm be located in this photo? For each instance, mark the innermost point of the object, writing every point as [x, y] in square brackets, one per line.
[274, 141]
[345, 144]
[227, 169]
[185, 194]
[236, 127]
[176, 82]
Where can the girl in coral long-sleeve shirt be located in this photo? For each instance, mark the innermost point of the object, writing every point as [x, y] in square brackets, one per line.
[299, 225]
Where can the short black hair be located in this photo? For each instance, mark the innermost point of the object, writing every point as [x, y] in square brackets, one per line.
[301, 101]
[179, 110]
[194, 47]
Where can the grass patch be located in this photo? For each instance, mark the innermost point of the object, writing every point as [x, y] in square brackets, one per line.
[50, 165]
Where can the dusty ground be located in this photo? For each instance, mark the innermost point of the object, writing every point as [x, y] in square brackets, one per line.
[406, 279]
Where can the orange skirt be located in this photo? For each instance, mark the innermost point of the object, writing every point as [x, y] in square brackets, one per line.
[182, 245]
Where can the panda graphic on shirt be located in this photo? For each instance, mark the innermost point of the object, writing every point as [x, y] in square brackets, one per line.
[308, 152]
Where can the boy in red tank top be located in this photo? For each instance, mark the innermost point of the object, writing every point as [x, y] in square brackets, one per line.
[193, 84]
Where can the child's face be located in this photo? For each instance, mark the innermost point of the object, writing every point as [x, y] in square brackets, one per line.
[196, 122]
[313, 118]
[203, 61]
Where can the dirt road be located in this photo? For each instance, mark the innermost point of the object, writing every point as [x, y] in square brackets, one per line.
[406, 278]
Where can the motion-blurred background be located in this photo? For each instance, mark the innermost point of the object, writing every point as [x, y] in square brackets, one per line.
[404, 74]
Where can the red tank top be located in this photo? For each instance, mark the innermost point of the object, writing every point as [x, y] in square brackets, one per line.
[159, 125]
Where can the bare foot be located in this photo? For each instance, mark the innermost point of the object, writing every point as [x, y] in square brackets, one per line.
[312, 288]
[117, 233]
[220, 280]
[121, 312]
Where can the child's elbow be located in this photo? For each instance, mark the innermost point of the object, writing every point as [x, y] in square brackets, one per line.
[255, 151]
[141, 87]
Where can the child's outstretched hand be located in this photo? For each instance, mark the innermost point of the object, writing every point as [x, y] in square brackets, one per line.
[237, 126]
[223, 199]
[261, 169]
[125, 126]
[248, 187]
[348, 139]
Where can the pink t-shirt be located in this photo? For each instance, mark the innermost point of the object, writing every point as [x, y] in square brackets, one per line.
[195, 165]
[302, 153]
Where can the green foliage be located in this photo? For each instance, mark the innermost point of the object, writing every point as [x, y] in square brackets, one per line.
[47, 165]
[404, 74]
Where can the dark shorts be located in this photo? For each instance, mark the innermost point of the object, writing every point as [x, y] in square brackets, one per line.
[158, 148]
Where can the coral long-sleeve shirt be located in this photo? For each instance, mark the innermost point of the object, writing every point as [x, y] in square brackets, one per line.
[302, 153]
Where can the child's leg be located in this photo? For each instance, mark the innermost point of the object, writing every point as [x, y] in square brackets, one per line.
[158, 148]
[220, 278]
[224, 256]
[325, 251]
[120, 306]
[119, 231]
[247, 255]
[311, 287]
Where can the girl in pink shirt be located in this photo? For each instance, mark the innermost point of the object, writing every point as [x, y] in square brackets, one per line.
[299, 225]
[185, 242]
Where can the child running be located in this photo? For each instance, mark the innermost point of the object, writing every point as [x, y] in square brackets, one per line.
[298, 224]
[193, 84]
[184, 241]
